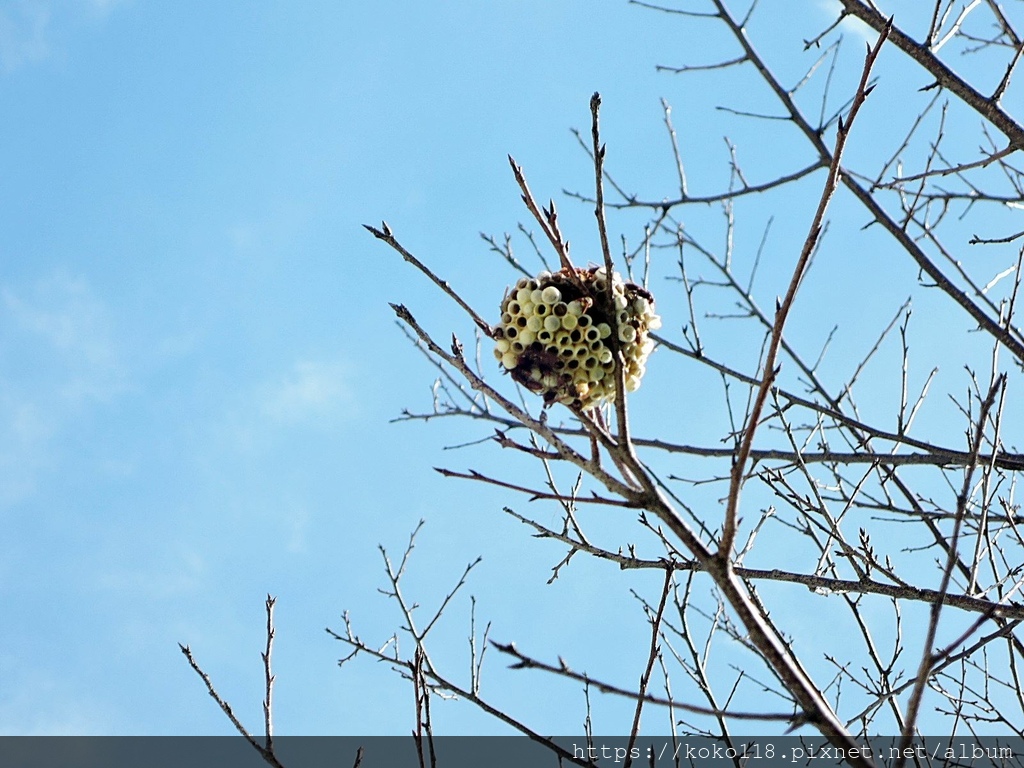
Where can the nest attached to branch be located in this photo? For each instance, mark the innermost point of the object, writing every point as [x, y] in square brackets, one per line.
[558, 338]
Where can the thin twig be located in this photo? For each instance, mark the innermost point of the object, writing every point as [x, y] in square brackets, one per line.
[645, 678]
[265, 751]
[928, 659]
[384, 233]
[944, 76]
[268, 708]
[783, 308]
[526, 662]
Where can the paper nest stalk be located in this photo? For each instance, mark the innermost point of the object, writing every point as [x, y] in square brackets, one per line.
[555, 333]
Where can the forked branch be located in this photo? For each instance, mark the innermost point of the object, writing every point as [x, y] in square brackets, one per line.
[783, 308]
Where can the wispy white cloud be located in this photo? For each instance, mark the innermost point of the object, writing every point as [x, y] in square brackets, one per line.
[24, 33]
[311, 392]
[28, 28]
[297, 520]
[102, 6]
[68, 329]
[25, 432]
[38, 703]
[831, 9]
[181, 573]
[307, 395]
[57, 356]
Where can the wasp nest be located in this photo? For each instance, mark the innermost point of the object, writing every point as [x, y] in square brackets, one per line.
[554, 335]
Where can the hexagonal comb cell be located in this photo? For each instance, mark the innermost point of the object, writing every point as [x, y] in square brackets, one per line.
[555, 333]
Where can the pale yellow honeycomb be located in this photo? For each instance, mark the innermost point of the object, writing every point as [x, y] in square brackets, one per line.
[554, 335]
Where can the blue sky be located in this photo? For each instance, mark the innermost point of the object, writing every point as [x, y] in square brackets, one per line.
[198, 364]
